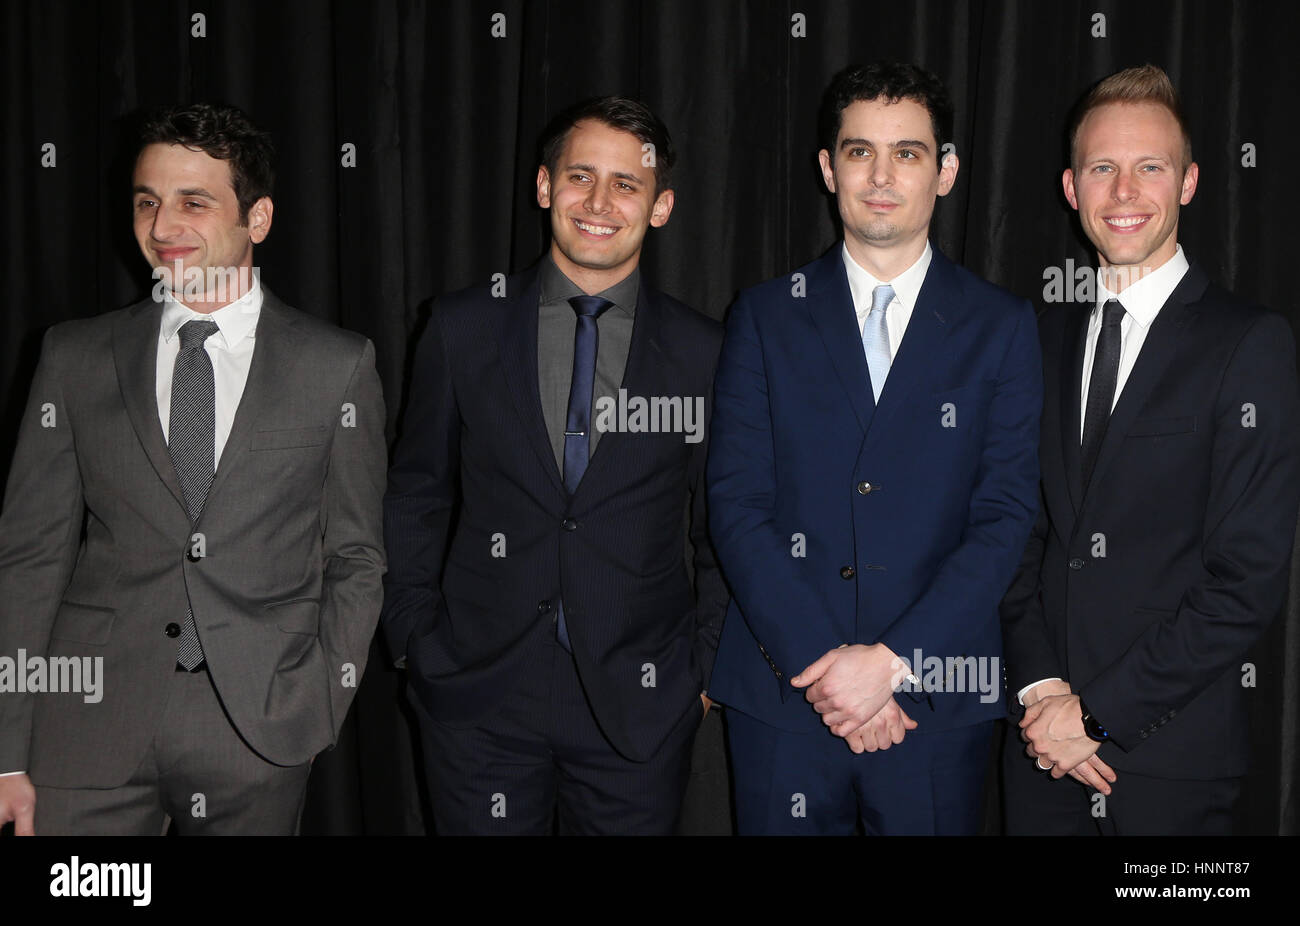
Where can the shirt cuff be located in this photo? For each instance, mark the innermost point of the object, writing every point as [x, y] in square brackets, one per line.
[1020, 696]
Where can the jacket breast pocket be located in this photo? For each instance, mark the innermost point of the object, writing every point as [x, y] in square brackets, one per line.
[288, 438]
[1158, 427]
[83, 623]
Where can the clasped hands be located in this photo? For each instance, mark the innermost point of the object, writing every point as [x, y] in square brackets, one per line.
[1053, 729]
[852, 688]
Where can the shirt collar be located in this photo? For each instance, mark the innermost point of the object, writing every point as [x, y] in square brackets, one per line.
[235, 321]
[1144, 299]
[907, 285]
[556, 287]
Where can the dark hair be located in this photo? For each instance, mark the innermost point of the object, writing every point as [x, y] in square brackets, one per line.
[618, 113]
[1146, 84]
[222, 132]
[891, 81]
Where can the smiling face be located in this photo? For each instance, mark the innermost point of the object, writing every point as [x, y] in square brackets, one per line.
[602, 199]
[885, 175]
[1127, 184]
[185, 211]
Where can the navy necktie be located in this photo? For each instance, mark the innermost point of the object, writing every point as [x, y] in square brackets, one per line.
[1101, 386]
[577, 422]
[191, 441]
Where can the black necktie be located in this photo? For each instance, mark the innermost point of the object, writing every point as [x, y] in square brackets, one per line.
[1101, 386]
[577, 422]
[191, 441]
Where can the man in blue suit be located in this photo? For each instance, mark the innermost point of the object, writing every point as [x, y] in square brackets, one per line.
[872, 482]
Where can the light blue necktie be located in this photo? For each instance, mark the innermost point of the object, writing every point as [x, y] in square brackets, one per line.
[875, 338]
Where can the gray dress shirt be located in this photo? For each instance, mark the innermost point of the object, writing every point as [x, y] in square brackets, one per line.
[556, 326]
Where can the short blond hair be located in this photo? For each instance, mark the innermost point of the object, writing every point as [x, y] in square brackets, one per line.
[1145, 84]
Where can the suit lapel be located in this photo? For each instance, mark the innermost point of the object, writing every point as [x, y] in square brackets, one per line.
[516, 332]
[919, 350]
[135, 354]
[1076, 331]
[1158, 351]
[275, 354]
[830, 303]
[644, 374]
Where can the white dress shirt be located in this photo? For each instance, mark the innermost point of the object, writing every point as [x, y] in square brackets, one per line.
[1142, 303]
[230, 350]
[907, 287]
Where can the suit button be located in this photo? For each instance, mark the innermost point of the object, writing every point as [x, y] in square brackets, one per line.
[569, 524]
[1076, 563]
[864, 488]
[847, 572]
[543, 607]
[172, 630]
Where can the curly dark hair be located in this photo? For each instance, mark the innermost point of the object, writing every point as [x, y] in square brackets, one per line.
[891, 81]
[223, 132]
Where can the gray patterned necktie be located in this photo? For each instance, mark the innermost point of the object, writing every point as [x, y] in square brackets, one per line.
[191, 441]
[875, 338]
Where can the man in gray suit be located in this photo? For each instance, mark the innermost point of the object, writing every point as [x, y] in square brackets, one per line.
[191, 537]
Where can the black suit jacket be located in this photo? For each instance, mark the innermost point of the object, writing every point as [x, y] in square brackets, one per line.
[1145, 588]
[485, 540]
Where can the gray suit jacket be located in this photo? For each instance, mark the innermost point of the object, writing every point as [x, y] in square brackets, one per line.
[98, 557]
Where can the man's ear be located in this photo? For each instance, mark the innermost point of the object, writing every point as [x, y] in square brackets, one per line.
[948, 173]
[663, 208]
[259, 219]
[1067, 184]
[543, 187]
[1190, 178]
[828, 172]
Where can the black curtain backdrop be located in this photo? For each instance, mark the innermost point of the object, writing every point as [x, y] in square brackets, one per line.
[442, 104]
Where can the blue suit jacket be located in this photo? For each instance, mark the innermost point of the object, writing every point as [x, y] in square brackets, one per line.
[921, 558]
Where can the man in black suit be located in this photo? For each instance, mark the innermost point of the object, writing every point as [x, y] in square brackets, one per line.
[552, 449]
[1171, 466]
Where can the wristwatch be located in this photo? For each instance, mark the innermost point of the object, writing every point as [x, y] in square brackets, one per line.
[1096, 732]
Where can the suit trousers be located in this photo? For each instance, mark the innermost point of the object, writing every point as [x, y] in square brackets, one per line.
[1036, 804]
[812, 784]
[197, 770]
[541, 756]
